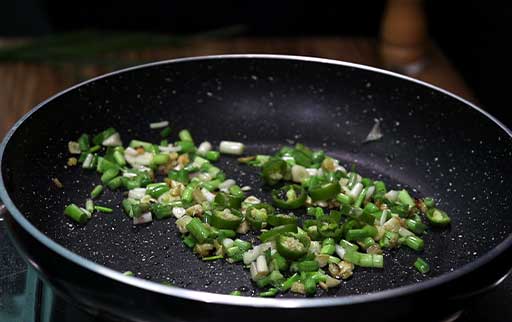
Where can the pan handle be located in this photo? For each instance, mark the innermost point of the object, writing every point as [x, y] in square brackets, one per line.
[3, 211]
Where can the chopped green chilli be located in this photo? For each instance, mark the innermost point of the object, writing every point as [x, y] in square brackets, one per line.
[349, 221]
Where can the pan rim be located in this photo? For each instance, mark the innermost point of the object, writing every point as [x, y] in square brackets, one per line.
[224, 299]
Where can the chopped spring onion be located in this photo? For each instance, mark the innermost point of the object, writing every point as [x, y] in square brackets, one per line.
[230, 147]
[88, 162]
[299, 173]
[143, 219]
[185, 136]
[165, 132]
[158, 125]
[57, 183]
[213, 258]
[422, 266]
[224, 186]
[74, 147]
[96, 191]
[75, 213]
[103, 209]
[113, 140]
[89, 205]
[169, 148]
[204, 148]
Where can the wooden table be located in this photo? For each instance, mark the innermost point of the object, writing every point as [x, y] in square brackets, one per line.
[23, 85]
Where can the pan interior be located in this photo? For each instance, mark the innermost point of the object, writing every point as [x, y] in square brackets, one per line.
[433, 144]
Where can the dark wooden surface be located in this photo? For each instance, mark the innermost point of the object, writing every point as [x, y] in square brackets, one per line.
[23, 85]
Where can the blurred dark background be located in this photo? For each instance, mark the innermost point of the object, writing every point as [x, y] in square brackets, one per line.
[472, 34]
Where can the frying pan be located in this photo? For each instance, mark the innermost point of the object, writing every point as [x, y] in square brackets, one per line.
[434, 143]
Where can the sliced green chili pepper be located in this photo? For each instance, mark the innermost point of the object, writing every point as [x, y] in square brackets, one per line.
[289, 197]
[325, 191]
[281, 219]
[438, 217]
[290, 247]
[225, 200]
[226, 219]
[277, 231]
[274, 170]
[259, 214]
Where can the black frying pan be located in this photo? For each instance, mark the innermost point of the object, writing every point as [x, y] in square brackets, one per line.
[434, 143]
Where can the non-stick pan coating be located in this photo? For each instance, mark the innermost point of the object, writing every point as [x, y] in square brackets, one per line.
[433, 144]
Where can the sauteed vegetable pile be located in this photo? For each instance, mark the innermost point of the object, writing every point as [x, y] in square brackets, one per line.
[351, 220]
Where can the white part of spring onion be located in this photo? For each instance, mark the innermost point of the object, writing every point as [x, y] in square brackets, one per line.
[261, 265]
[140, 159]
[204, 148]
[254, 271]
[299, 173]
[208, 195]
[383, 217]
[369, 193]
[88, 161]
[230, 147]
[273, 251]
[343, 182]
[182, 223]
[137, 193]
[143, 219]
[321, 203]
[322, 259]
[314, 247]
[142, 168]
[252, 254]
[130, 151]
[246, 188]
[226, 184]
[74, 147]
[340, 251]
[375, 133]
[178, 212]
[159, 125]
[170, 148]
[288, 158]
[113, 140]
[392, 224]
[252, 200]
[203, 177]
[404, 232]
[312, 171]
[341, 168]
[356, 190]
[148, 199]
[86, 212]
[391, 195]
[199, 161]
[227, 243]
[129, 174]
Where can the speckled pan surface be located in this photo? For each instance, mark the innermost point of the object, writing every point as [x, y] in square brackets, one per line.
[433, 143]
